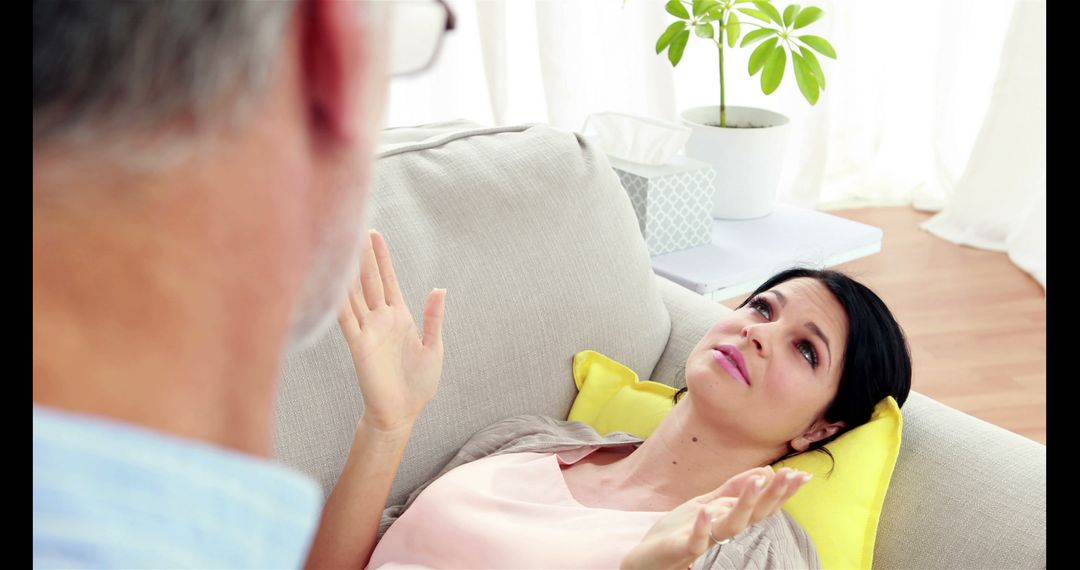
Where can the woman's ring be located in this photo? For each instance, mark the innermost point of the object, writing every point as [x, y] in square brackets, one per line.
[718, 541]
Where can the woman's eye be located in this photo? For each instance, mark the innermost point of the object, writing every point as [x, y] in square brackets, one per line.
[809, 353]
[762, 307]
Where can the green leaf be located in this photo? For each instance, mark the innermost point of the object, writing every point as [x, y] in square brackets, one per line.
[808, 16]
[669, 34]
[815, 66]
[806, 79]
[757, 14]
[761, 54]
[774, 70]
[789, 14]
[701, 7]
[675, 8]
[819, 45]
[756, 35]
[712, 15]
[771, 10]
[674, 53]
[704, 31]
[733, 29]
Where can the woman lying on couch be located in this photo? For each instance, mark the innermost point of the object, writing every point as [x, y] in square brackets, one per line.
[803, 360]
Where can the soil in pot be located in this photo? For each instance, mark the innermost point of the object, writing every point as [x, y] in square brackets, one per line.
[734, 126]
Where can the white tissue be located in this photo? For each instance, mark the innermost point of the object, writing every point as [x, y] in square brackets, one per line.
[643, 140]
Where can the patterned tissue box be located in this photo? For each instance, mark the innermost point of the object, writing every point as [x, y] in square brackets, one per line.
[673, 202]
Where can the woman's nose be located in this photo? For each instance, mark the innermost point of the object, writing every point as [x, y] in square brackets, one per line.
[753, 334]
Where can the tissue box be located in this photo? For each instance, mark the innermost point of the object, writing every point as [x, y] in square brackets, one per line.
[673, 202]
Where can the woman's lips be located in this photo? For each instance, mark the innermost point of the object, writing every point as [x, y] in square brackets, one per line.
[731, 360]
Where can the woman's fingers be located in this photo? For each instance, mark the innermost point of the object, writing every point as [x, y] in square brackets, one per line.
[347, 319]
[356, 303]
[738, 517]
[390, 287]
[761, 492]
[784, 485]
[377, 286]
[699, 539]
[801, 479]
[733, 487]
[433, 318]
[370, 279]
[773, 493]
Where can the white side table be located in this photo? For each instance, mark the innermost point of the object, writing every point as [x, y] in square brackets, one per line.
[744, 253]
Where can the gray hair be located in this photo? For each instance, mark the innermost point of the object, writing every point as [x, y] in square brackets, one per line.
[106, 68]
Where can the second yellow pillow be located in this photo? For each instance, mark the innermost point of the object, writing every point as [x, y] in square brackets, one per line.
[840, 511]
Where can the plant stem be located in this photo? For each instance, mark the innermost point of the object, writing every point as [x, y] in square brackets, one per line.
[723, 101]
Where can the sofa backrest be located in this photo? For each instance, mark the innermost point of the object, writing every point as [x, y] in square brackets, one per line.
[536, 242]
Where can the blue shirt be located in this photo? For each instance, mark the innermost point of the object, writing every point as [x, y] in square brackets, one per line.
[114, 495]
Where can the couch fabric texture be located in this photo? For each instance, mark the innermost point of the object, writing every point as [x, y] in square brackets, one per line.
[537, 244]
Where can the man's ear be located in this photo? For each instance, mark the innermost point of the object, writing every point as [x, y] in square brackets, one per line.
[817, 432]
[333, 56]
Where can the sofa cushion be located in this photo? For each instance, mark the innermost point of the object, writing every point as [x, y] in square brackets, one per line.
[536, 242]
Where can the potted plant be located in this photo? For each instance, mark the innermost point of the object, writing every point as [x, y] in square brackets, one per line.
[742, 143]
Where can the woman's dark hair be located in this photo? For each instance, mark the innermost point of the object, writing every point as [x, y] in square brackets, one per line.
[876, 363]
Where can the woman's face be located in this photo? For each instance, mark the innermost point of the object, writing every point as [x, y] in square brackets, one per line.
[792, 341]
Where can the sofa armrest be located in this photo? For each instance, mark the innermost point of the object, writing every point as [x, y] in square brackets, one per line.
[965, 494]
[691, 315]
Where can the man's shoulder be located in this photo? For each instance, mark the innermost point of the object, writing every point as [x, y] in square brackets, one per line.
[108, 493]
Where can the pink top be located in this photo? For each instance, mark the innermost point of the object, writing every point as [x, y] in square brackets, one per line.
[509, 511]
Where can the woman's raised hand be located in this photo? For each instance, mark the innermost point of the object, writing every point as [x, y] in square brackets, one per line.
[397, 370]
[692, 528]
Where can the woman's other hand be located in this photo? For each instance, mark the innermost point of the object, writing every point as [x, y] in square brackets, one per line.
[683, 535]
[398, 371]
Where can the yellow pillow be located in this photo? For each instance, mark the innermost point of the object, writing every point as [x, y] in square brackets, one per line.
[614, 399]
[840, 512]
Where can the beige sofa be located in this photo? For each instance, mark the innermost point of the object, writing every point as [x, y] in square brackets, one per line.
[537, 244]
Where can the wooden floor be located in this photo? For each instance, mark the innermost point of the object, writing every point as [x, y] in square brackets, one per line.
[976, 323]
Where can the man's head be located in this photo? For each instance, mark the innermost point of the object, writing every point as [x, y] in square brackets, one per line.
[249, 125]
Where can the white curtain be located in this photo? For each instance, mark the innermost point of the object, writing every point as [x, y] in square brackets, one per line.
[999, 201]
[907, 116]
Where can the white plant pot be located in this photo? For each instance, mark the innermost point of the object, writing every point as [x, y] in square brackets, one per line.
[748, 161]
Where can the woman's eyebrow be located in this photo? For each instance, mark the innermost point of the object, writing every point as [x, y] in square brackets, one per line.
[809, 324]
[814, 329]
